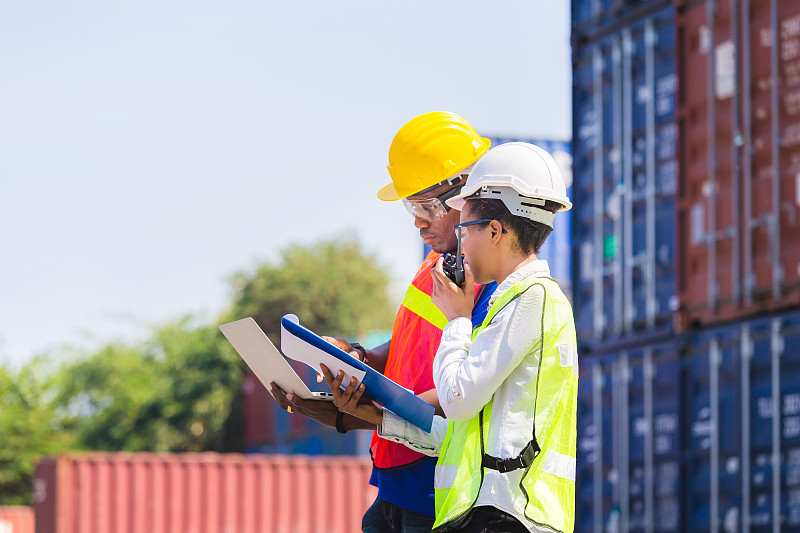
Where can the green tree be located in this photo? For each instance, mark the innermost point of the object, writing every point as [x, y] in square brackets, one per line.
[29, 427]
[333, 287]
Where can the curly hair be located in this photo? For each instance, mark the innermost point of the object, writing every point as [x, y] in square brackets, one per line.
[529, 235]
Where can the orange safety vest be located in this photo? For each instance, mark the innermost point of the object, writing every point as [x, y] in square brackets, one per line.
[416, 335]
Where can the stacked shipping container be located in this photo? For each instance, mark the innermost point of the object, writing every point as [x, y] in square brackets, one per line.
[689, 400]
[742, 395]
[624, 187]
[739, 152]
[629, 441]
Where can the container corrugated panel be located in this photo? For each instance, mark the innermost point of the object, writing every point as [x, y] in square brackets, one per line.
[629, 441]
[557, 249]
[16, 519]
[739, 153]
[743, 402]
[209, 493]
[593, 19]
[624, 172]
[269, 429]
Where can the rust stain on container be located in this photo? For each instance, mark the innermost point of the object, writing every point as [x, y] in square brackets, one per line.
[739, 153]
[16, 519]
[200, 493]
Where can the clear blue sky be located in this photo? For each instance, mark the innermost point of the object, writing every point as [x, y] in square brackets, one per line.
[148, 150]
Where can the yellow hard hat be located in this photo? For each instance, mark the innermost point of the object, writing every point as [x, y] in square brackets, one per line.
[429, 149]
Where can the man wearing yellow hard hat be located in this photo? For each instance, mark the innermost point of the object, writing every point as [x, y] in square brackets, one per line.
[429, 160]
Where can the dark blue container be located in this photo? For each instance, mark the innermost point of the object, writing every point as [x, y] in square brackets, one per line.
[629, 441]
[624, 172]
[743, 406]
[701, 433]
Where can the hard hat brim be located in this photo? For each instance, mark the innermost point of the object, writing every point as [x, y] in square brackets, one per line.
[388, 193]
[457, 202]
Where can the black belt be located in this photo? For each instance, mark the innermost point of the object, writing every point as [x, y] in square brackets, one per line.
[523, 460]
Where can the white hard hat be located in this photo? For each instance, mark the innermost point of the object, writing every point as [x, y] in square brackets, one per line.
[522, 176]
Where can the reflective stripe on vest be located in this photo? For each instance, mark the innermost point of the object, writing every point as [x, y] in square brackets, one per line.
[548, 484]
[420, 304]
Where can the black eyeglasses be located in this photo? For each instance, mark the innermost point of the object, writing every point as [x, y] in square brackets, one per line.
[462, 231]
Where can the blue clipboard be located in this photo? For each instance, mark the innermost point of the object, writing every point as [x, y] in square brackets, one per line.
[378, 387]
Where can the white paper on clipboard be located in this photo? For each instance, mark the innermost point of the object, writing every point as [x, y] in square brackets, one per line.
[300, 350]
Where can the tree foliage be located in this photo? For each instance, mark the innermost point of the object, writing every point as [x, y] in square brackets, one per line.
[29, 427]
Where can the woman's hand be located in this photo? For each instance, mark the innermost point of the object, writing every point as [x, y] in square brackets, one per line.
[453, 301]
[349, 400]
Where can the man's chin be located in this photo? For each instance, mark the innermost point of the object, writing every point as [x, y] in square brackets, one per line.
[442, 249]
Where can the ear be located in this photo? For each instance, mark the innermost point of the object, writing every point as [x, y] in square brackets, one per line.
[496, 231]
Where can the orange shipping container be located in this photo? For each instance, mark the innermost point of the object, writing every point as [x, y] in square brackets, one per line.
[739, 152]
[200, 493]
[16, 519]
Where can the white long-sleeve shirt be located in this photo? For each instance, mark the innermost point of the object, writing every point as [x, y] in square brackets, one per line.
[501, 363]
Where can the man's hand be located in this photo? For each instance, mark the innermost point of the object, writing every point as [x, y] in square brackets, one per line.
[323, 412]
[349, 400]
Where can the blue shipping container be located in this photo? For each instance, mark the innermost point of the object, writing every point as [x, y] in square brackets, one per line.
[624, 171]
[698, 434]
[629, 442]
[743, 400]
[557, 249]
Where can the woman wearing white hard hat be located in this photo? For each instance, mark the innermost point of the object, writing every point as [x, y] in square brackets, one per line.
[509, 388]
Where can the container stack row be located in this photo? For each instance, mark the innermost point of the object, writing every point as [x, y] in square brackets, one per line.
[686, 264]
[699, 433]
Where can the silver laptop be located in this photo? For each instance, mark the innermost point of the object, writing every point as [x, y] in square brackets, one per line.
[264, 359]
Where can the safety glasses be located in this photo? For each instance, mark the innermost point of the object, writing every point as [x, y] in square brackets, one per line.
[461, 229]
[430, 209]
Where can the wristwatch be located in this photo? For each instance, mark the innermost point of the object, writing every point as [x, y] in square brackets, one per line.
[339, 426]
[361, 349]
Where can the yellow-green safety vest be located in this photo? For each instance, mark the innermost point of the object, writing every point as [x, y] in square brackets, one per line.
[548, 482]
